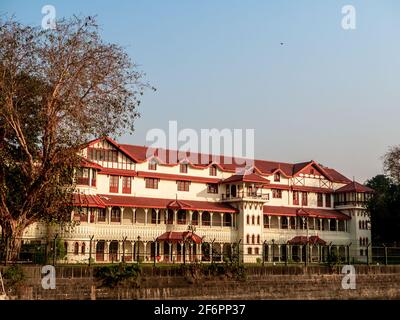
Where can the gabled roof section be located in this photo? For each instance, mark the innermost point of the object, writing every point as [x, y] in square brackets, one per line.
[119, 147]
[301, 167]
[251, 177]
[355, 187]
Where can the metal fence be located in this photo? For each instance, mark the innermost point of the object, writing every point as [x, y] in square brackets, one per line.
[93, 251]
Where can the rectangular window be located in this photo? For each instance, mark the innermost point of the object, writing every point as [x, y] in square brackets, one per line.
[256, 251]
[151, 183]
[183, 185]
[82, 176]
[212, 188]
[276, 193]
[152, 165]
[213, 171]
[304, 198]
[249, 251]
[126, 184]
[114, 184]
[319, 199]
[99, 154]
[295, 197]
[183, 168]
[93, 178]
[327, 200]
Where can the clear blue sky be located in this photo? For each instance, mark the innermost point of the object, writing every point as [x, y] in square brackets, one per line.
[327, 94]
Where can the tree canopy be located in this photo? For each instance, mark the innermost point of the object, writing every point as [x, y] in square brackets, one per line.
[59, 88]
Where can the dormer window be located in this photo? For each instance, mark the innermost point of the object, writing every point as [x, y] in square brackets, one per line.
[152, 165]
[311, 171]
[213, 171]
[183, 168]
[277, 177]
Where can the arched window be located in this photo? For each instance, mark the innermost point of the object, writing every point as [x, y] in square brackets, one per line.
[83, 248]
[115, 214]
[277, 177]
[76, 248]
[248, 239]
[248, 219]
[252, 220]
[253, 239]
[258, 239]
[361, 241]
[258, 220]
[249, 251]
[359, 225]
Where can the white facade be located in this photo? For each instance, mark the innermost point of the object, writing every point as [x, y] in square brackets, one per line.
[247, 214]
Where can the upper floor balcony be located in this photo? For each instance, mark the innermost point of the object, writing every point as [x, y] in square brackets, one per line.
[246, 195]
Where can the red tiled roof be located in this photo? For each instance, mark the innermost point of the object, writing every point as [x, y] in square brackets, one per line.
[144, 202]
[354, 187]
[168, 176]
[87, 200]
[228, 164]
[305, 240]
[251, 177]
[310, 212]
[179, 237]
[89, 164]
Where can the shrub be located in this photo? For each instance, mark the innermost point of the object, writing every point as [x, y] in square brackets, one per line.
[114, 275]
[14, 274]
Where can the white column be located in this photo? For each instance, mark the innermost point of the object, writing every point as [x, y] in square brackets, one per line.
[279, 222]
[321, 227]
[190, 216]
[122, 214]
[211, 218]
[329, 224]
[288, 222]
[222, 219]
[200, 220]
[175, 221]
[157, 215]
[109, 215]
[337, 225]
[314, 223]
[146, 210]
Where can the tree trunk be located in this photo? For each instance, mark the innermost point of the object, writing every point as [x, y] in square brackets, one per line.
[13, 240]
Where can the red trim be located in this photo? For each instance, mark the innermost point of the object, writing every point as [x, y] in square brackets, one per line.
[87, 200]
[179, 237]
[158, 203]
[168, 176]
[118, 172]
[312, 189]
[310, 212]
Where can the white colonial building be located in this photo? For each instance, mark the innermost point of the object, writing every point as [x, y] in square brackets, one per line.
[159, 206]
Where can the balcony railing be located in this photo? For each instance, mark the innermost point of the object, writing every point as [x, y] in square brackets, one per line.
[350, 203]
[247, 194]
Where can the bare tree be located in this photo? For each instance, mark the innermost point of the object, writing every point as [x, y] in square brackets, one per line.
[58, 89]
[391, 163]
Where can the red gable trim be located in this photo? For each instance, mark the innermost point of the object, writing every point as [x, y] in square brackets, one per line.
[168, 176]
[116, 145]
[158, 203]
[317, 166]
[85, 163]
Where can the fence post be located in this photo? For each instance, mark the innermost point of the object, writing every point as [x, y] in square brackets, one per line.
[263, 253]
[386, 254]
[90, 250]
[55, 250]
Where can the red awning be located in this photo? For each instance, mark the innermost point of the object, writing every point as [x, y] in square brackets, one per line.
[159, 203]
[305, 240]
[179, 237]
[301, 211]
[87, 200]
